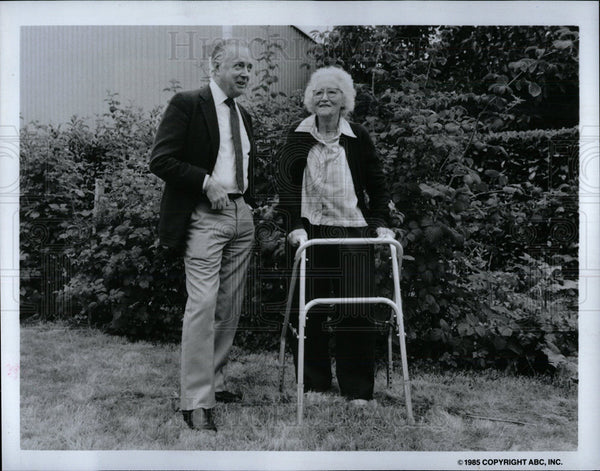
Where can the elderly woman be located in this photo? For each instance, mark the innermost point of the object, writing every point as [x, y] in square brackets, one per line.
[332, 186]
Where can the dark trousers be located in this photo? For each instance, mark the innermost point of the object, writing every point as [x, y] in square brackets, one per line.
[338, 271]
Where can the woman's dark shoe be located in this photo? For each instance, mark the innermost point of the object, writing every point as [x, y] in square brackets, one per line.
[227, 396]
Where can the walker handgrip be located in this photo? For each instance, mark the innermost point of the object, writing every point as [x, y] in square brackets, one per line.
[352, 241]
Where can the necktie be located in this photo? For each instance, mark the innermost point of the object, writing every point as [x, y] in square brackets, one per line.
[234, 122]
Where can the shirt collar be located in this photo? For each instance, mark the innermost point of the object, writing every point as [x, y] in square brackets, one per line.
[217, 93]
[309, 124]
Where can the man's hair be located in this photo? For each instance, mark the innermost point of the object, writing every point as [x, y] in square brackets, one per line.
[218, 53]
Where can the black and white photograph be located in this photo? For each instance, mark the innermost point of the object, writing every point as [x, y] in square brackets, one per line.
[364, 236]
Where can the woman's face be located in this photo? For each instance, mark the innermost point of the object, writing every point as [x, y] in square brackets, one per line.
[327, 98]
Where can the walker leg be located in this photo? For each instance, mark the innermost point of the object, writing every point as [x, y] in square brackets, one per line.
[300, 391]
[286, 320]
[396, 264]
[409, 412]
[301, 327]
[282, 361]
[389, 364]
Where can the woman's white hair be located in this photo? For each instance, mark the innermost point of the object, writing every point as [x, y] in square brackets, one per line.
[342, 80]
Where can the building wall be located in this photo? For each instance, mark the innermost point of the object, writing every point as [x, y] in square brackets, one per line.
[290, 56]
[69, 70]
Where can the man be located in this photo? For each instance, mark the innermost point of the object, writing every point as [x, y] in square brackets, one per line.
[204, 152]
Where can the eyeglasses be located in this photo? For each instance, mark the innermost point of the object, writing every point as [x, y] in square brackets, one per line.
[330, 92]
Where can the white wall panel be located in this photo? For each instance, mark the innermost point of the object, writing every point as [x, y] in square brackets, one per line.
[69, 70]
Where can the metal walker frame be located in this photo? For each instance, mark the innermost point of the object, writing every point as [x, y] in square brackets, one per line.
[303, 308]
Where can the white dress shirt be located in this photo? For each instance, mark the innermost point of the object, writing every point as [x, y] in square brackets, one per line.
[328, 194]
[224, 171]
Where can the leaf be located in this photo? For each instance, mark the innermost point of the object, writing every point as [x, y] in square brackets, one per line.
[519, 84]
[505, 331]
[481, 331]
[555, 359]
[491, 173]
[434, 307]
[534, 89]
[452, 128]
[562, 44]
[464, 329]
[429, 191]
[499, 343]
[554, 288]
[432, 118]
[532, 67]
[569, 284]
[512, 65]
[436, 334]
[497, 124]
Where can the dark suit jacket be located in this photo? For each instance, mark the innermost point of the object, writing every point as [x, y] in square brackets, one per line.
[184, 151]
[367, 175]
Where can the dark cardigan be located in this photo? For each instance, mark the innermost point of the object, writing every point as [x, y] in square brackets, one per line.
[367, 176]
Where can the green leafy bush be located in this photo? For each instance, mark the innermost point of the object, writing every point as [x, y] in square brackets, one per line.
[54, 187]
[471, 205]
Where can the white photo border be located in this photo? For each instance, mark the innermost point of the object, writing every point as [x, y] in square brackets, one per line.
[13, 15]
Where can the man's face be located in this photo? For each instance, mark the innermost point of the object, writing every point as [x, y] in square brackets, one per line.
[233, 74]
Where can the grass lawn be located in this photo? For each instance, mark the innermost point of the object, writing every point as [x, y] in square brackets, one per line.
[84, 390]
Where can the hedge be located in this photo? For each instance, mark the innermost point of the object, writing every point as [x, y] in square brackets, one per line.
[488, 221]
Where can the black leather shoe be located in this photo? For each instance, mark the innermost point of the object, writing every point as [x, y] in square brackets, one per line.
[199, 419]
[227, 396]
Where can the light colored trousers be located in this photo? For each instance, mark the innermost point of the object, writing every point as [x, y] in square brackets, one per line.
[217, 254]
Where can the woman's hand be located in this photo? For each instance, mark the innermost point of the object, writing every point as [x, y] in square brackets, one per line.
[297, 237]
[385, 233]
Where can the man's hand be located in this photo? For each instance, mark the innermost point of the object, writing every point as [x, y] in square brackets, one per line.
[385, 233]
[297, 237]
[216, 194]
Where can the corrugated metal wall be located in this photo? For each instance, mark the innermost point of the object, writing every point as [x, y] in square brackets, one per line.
[292, 53]
[69, 70]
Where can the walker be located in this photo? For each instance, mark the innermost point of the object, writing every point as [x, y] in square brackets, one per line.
[396, 253]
